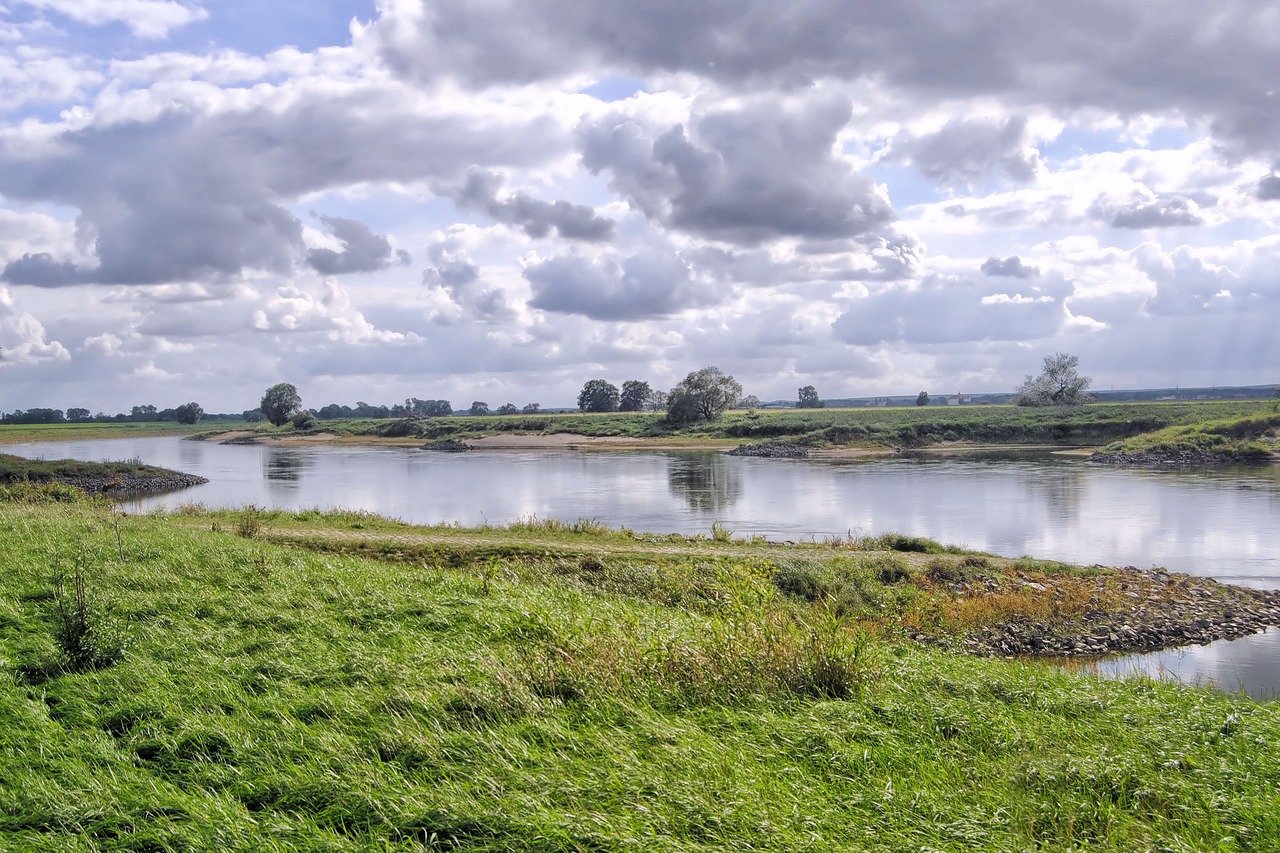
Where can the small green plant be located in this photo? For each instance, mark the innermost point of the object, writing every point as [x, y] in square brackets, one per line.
[88, 637]
[720, 533]
[250, 524]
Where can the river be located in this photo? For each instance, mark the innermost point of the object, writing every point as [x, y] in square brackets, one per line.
[1223, 523]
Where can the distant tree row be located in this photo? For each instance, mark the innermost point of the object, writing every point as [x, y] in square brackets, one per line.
[187, 413]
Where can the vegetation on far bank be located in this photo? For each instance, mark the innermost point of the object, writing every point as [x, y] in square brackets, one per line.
[1248, 438]
[231, 693]
[902, 427]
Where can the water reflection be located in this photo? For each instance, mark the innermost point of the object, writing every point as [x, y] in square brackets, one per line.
[285, 464]
[1246, 665]
[708, 483]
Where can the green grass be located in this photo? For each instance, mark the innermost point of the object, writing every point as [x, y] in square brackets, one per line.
[907, 427]
[1252, 437]
[284, 698]
[17, 468]
[15, 433]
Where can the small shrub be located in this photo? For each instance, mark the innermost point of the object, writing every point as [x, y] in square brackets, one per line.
[720, 533]
[87, 637]
[904, 543]
[250, 525]
[891, 570]
[303, 420]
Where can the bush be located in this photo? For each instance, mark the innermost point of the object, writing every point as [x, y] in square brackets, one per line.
[303, 420]
[87, 637]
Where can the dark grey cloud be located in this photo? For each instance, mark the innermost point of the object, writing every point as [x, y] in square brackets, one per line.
[1147, 211]
[1269, 188]
[362, 250]
[655, 283]
[40, 269]
[966, 152]
[948, 309]
[535, 217]
[753, 172]
[1013, 267]
[1128, 57]
[191, 195]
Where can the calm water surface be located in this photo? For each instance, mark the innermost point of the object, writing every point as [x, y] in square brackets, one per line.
[1223, 523]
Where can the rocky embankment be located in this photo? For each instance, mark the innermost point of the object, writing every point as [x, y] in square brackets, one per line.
[121, 486]
[1169, 457]
[448, 445]
[1129, 610]
[771, 450]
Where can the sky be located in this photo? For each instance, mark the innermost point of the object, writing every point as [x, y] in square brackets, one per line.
[501, 200]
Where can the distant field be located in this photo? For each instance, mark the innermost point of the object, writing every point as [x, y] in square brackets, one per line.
[15, 433]
[1092, 425]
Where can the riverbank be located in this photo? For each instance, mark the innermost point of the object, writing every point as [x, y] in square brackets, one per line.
[311, 681]
[111, 479]
[1248, 439]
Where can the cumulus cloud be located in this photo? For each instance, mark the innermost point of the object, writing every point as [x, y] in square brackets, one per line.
[1127, 57]
[1269, 188]
[1012, 267]
[950, 309]
[148, 19]
[456, 275]
[196, 193]
[760, 170]
[1147, 210]
[611, 287]
[362, 250]
[23, 339]
[535, 217]
[965, 152]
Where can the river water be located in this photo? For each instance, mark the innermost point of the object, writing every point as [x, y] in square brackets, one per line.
[1223, 523]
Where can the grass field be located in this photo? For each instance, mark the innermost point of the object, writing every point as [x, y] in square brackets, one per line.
[1092, 425]
[15, 433]
[205, 687]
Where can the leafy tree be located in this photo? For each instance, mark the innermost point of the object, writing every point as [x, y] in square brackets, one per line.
[598, 395]
[303, 420]
[1059, 384]
[658, 401]
[808, 398]
[507, 409]
[189, 413]
[143, 413]
[702, 396]
[531, 408]
[751, 401]
[478, 409]
[77, 415]
[635, 396]
[252, 416]
[922, 399]
[437, 408]
[280, 403]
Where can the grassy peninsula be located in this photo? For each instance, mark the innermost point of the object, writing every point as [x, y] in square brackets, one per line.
[22, 478]
[334, 681]
[1251, 438]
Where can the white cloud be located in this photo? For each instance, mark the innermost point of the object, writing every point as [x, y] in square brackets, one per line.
[147, 19]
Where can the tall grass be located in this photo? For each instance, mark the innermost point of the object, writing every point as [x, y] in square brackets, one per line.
[276, 698]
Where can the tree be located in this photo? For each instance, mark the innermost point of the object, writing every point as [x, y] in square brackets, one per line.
[702, 396]
[531, 408]
[303, 420]
[77, 415]
[751, 402]
[279, 403]
[635, 396]
[808, 398]
[1059, 384]
[507, 409]
[437, 408]
[478, 409]
[922, 399]
[598, 395]
[189, 413]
